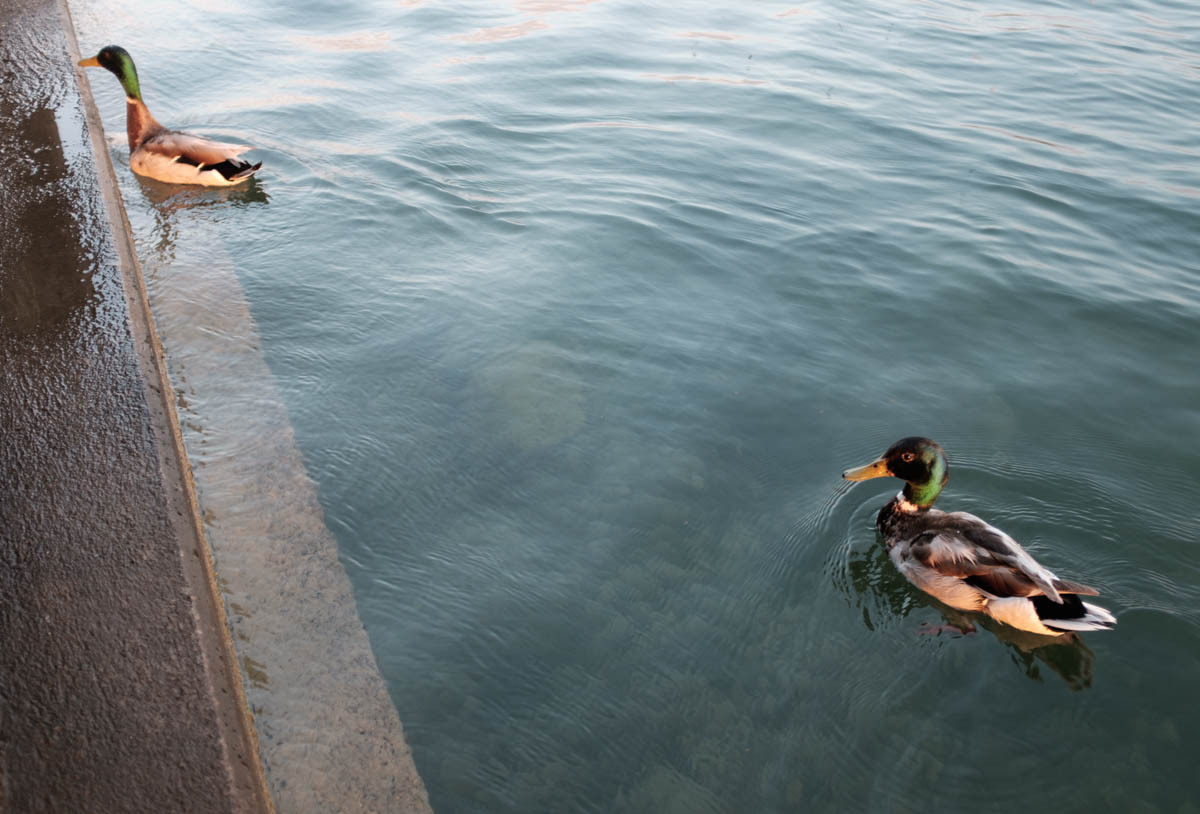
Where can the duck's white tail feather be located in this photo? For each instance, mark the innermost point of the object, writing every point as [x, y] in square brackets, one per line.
[1018, 612]
[1096, 618]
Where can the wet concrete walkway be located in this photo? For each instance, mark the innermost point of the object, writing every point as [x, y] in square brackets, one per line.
[117, 692]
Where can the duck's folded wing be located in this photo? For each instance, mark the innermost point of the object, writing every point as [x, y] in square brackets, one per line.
[1004, 581]
[193, 149]
[989, 559]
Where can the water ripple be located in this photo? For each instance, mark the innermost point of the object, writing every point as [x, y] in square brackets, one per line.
[579, 315]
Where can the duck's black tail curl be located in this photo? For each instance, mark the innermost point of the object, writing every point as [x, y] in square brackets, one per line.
[1072, 614]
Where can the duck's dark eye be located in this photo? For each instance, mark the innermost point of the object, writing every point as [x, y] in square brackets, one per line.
[907, 457]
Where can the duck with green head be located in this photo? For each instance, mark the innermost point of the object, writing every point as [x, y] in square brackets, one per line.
[168, 155]
[963, 561]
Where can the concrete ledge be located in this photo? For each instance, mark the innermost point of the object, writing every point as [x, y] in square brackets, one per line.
[118, 688]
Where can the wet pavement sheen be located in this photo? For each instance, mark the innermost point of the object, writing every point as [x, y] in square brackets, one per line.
[111, 689]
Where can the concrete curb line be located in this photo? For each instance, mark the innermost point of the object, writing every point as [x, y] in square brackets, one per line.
[239, 739]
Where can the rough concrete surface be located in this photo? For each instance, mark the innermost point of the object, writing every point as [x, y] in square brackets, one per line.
[116, 688]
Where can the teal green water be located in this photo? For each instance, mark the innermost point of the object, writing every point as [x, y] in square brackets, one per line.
[580, 308]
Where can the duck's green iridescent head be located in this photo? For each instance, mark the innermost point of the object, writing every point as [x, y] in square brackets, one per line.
[919, 462]
[117, 59]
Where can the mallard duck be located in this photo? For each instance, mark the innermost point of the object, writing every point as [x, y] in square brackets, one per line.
[963, 561]
[167, 155]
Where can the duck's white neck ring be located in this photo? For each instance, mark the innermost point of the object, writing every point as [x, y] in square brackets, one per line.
[904, 505]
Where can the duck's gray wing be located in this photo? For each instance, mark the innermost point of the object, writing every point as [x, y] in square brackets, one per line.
[961, 545]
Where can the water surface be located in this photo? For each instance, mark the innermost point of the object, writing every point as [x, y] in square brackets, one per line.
[580, 308]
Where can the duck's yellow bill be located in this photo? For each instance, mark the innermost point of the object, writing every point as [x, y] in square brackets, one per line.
[90, 62]
[875, 469]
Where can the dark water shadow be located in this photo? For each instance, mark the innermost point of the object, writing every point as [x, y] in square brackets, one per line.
[875, 585]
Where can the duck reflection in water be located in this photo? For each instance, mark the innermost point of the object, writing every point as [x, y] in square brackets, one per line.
[873, 583]
[168, 201]
[245, 194]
